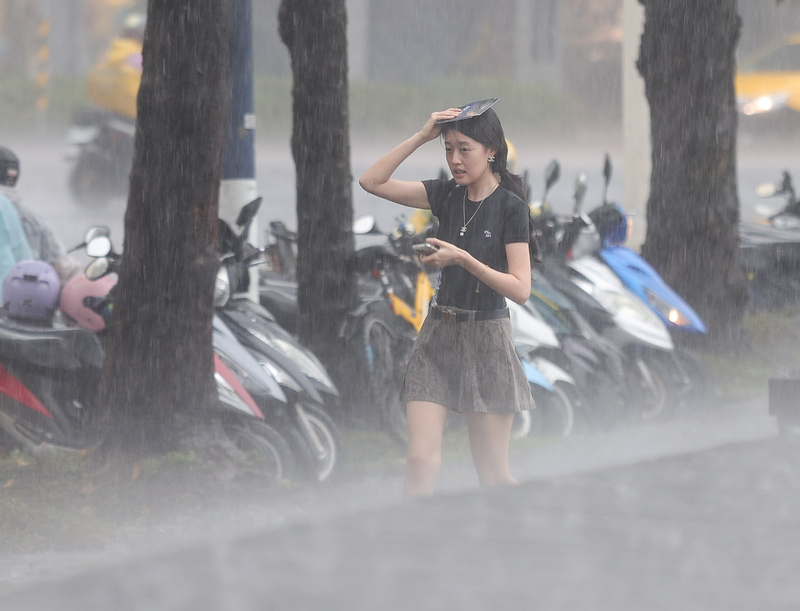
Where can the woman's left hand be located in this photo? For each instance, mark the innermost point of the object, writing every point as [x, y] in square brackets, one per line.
[448, 254]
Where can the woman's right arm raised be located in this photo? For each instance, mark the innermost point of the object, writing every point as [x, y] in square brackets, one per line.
[378, 178]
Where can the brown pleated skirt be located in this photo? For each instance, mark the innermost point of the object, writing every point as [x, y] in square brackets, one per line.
[467, 367]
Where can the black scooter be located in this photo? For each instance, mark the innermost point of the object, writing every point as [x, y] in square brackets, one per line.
[312, 396]
[101, 148]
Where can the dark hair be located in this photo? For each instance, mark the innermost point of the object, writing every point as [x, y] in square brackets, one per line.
[486, 129]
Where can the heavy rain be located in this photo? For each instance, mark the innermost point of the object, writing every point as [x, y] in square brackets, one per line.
[658, 470]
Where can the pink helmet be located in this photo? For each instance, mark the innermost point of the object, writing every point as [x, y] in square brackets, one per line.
[74, 307]
[30, 291]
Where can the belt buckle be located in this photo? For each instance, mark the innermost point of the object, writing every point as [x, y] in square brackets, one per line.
[449, 316]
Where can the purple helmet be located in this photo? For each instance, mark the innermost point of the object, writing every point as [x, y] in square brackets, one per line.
[30, 292]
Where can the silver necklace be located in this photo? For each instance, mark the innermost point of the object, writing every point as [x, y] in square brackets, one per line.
[464, 210]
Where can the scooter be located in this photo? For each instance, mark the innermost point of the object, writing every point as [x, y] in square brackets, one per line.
[596, 364]
[48, 383]
[101, 150]
[245, 389]
[638, 275]
[559, 402]
[378, 339]
[305, 420]
[769, 249]
[568, 247]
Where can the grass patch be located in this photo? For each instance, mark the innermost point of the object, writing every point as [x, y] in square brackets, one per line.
[771, 349]
[392, 108]
[48, 503]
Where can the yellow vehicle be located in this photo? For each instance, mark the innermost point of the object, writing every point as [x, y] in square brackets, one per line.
[768, 80]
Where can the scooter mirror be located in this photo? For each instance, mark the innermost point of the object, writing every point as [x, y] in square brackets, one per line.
[551, 174]
[766, 189]
[99, 246]
[580, 190]
[97, 268]
[607, 168]
[247, 213]
[364, 224]
[94, 232]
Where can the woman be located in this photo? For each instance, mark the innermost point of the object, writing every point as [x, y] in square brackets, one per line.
[463, 359]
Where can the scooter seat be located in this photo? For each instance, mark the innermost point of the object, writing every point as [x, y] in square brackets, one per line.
[57, 347]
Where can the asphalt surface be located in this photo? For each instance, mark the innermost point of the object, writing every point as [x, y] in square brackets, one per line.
[667, 516]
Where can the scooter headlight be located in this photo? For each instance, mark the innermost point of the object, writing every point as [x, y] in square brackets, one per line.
[227, 395]
[308, 364]
[665, 309]
[279, 374]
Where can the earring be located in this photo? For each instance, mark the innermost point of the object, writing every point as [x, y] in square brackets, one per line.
[491, 159]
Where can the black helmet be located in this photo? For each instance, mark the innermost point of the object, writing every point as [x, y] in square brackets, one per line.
[9, 167]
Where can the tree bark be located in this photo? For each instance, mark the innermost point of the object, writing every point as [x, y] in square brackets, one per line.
[159, 362]
[688, 65]
[315, 34]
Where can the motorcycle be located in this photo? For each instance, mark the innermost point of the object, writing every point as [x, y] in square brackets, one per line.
[48, 383]
[101, 150]
[654, 377]
[379, 341]
[305, 419]
[245, 390]
[596, 364]
[638, 275]
[555, 392]
[769, 249]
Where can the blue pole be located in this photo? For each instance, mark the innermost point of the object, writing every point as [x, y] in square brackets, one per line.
[238, 185]
[238, 162]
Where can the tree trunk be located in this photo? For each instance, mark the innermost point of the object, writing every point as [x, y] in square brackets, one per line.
[687, 62]
[159, 362]
[315, 34]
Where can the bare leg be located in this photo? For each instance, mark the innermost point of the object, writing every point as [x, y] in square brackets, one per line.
[489, 438]
[426, 422]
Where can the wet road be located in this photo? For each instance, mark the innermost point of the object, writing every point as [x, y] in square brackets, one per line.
[45, 170]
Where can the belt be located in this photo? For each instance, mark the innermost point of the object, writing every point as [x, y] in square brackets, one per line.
[469, 316]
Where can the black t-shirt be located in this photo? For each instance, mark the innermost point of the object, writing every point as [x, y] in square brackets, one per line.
[501, 220]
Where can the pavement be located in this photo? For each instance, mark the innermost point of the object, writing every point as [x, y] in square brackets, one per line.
[715, 527]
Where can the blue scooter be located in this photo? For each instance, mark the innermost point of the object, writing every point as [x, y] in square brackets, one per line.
[635, 273]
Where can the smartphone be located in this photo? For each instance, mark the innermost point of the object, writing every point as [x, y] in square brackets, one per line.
[424, 249]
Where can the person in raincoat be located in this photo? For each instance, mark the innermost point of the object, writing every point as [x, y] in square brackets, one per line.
[14, 245]
[463, 358]
[113, 82]
[41, 242]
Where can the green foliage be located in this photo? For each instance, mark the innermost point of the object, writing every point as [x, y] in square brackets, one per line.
[390, 107]
[528, 108]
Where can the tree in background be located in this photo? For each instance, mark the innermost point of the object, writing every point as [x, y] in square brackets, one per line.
[315, 34]
[158, 373]
[687, 61]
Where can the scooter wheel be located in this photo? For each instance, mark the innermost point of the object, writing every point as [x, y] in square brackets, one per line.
[265, 452]
[383, 371]
[321, 461]
[521, 427]
[655, 399]
[554, 415]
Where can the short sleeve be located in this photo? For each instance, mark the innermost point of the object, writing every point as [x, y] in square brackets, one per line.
[439, 191]
[517, 222]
